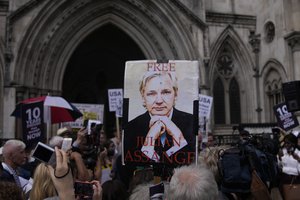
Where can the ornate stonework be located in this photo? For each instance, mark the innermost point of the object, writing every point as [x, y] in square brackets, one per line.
[269, 32]
[230, 39]
[225, 66]
[293, 40]
[226, 18]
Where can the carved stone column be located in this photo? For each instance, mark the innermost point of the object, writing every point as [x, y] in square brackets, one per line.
[254, 40]
[293, 40]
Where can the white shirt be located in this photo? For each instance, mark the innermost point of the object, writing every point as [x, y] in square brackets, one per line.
[26, 185]
[290, 165]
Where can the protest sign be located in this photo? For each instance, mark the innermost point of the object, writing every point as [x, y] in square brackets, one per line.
[115, 96]
[160, 112]
[119, 108]
[89, 111]
[33, 122]
[286, 120]
[205, 103]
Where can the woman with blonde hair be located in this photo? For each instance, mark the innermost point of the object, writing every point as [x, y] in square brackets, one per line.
[210, 157]
[43, 186]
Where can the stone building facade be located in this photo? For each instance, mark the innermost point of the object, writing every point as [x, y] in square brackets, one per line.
[246, 50]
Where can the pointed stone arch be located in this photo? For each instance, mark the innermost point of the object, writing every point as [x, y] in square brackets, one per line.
[239, 49]
[60, 27]
[273, 75]
[230, 43]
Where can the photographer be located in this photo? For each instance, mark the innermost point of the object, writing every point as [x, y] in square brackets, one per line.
[288, 158]
[76, 158]
[63, 180]
[104, 163]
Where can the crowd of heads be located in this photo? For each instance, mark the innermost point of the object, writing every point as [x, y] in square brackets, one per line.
[185, 181]
[196, 181]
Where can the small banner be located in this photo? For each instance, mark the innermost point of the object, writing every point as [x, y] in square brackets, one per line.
[33, 122]
[160, 112]
[115, 96]
[205, 103]
[286, 120]
[89, 111]
[119, 110]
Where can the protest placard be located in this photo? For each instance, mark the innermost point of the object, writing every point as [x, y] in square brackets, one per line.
[160, 121]
[33, 122]
[89, 111]
[286, 120]
[115, 96]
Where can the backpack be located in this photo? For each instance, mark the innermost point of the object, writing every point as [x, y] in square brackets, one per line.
[237, 163]
[264, 163]
[235, 170]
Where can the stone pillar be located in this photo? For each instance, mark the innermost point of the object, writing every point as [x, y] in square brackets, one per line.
[254, 40]
[293, 40]
[9, 104]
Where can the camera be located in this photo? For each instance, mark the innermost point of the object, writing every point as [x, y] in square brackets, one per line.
[44, 153]
[91, 150]
[66, 144]
[83, 189]
[91, 125]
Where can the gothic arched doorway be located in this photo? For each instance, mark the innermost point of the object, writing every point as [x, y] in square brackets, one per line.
[98, 64]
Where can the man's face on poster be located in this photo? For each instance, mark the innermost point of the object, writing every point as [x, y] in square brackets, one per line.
[159, 95]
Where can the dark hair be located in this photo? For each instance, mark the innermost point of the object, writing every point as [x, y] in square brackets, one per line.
[244, 133]
[108, 143]
[114, 190]
[10, 190]
[291, 138]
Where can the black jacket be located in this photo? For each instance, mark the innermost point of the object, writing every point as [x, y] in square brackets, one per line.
[136, 130]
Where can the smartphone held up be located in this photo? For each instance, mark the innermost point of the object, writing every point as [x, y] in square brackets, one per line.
[83, 189]
[44, 153]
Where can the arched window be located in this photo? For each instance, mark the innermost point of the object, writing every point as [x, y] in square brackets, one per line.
[219, 102]
[226, 90]
[273, 92]
[234, 101]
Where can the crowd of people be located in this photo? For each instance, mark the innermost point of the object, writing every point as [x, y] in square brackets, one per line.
[159, 159]
[96, 163]
[23, 177]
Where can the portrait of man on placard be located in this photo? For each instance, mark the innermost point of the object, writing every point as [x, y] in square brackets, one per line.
[160, 126]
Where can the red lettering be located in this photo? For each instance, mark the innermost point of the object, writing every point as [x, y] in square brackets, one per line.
[165, 67]
[165, 156]
[180, 157]
[149, 141]
[155, 156]
[137, 156]
[176, 158]
[161, 67]
[150, 66]
[172, 67]
[157, 67]
[139, 141]
[128, 156]
[152, 141]
[144, 156]
[190, 157]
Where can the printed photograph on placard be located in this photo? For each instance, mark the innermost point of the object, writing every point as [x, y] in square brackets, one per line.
[159, 101]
